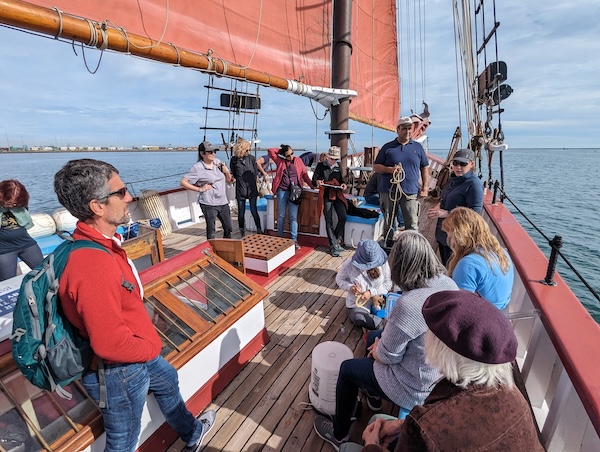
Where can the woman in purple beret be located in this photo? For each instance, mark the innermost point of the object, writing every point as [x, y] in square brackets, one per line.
[476, 405]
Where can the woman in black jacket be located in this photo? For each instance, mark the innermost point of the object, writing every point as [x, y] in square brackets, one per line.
[328, 172]
[245, 171]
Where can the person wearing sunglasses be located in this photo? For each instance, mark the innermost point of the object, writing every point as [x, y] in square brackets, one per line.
[289, 169]
[208, 176]
[102, 296]
[464, 189]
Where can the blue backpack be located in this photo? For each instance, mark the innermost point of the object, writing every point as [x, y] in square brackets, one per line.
[46, 347]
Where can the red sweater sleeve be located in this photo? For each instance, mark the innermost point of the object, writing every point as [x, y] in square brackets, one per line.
[114, 319]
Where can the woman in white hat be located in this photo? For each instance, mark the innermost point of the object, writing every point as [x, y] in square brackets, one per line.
[365, 275]
[328, 175]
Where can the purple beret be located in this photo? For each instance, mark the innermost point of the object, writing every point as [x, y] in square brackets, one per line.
[471, 326]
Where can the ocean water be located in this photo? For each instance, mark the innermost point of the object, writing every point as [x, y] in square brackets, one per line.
[553, 187]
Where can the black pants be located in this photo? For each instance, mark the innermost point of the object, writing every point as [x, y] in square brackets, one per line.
[211, 213]
[335, 235]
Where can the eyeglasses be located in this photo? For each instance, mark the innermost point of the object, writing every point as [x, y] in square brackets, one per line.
[457, 163]
[289, 155]
[121, 192]
[209, 152]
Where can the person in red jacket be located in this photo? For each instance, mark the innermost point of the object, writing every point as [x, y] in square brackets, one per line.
[289, 169]
[102, 296]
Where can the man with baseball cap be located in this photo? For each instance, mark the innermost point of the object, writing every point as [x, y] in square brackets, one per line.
[401, 162]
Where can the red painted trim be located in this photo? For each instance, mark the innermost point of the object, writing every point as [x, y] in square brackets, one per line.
[573, 331]
[173, 263]
[264, 280]
[164, 435]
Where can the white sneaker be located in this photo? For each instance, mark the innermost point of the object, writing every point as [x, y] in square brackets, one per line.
[207, 419]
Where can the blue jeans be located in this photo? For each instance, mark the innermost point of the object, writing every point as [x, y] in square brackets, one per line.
[211, 213]
[242, 213]
[127, 386]
[32, 256]
[283, 202]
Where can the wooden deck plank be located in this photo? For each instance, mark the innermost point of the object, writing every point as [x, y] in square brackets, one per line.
[261, 408]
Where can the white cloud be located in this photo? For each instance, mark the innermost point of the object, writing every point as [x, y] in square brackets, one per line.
[551, 51]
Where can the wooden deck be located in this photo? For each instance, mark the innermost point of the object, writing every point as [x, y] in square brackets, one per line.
[264, 407]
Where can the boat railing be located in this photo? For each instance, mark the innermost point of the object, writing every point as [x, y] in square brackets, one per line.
[557, 349]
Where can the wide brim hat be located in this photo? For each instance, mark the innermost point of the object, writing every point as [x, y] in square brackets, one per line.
[471, 326]
[369, 255]
[464, 155]
[334, 152]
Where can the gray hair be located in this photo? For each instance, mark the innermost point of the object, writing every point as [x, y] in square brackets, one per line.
[463, 371]
[413, 261]
[79, 182]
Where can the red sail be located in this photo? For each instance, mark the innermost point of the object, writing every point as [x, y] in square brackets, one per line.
[289, 39]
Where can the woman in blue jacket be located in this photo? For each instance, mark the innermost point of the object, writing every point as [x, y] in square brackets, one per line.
[478, 263]
[464, 189]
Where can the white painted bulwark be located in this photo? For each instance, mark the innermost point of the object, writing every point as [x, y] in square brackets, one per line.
[200, 369]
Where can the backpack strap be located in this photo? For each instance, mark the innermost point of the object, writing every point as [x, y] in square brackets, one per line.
[79, 244]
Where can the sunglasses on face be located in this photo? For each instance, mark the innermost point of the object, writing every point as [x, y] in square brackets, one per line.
[121, 192]
[209, 152]
[457, 163]
[289, 155]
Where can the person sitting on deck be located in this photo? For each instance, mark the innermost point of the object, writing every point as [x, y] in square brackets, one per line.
[478, 262]
[365, 275]
[475, 406]
[395, 367]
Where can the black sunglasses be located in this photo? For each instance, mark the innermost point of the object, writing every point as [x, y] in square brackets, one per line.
[289, 155]
[209, 152]
[457, 163]
[121, 192]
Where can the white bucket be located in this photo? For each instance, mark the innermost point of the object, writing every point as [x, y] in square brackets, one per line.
[64, 220]
[327, 358]
[43, 225]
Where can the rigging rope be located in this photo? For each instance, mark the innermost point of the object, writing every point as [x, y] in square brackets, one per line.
[579, 276]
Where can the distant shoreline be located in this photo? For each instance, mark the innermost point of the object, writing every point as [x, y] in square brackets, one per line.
[29, 151]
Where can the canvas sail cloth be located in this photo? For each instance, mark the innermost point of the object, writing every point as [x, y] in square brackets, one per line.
[288, 39]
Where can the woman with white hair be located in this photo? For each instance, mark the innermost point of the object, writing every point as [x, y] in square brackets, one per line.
[475, 406]
[395, 368]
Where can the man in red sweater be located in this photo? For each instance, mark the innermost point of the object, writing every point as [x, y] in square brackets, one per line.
[102, 296]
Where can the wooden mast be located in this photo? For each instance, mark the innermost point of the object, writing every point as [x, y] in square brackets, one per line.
[340, 75]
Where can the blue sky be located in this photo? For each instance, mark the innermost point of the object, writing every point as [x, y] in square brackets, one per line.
[47, 97]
